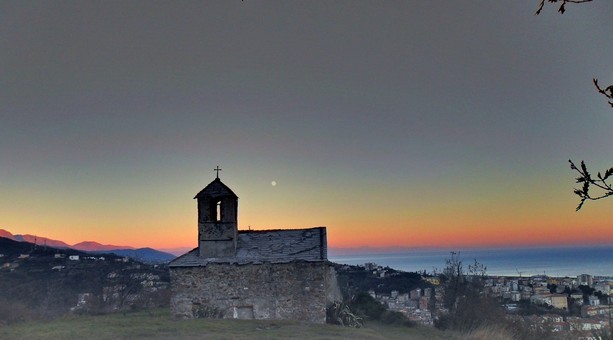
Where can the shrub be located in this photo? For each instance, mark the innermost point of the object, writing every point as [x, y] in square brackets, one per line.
[366, 306]
[339, 314]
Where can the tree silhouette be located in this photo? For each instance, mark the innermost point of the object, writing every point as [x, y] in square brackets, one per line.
[607, 91]
[605, 189]
[585, 177]
[562, 3]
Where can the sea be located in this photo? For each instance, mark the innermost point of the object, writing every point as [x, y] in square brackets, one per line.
[550, 261]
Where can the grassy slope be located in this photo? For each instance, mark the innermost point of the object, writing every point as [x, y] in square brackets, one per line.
[159, 324]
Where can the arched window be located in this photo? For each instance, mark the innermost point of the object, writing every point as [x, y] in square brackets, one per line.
[218, 212]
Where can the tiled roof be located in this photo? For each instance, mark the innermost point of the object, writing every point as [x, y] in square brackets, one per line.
[267, 246]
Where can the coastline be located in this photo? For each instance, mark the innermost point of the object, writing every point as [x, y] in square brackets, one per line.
[568, 261]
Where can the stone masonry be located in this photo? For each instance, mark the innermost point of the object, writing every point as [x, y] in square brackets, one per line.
[296, 290]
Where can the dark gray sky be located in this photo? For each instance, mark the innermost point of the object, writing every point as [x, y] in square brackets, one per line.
[412, 114]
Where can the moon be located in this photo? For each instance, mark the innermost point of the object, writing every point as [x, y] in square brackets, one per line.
[273, 183]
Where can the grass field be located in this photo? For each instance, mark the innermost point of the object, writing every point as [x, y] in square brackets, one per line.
[158, 324]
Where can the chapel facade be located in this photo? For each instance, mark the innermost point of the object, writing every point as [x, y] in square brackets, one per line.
[246, 274]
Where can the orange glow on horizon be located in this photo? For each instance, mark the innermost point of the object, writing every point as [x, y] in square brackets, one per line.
[362, 236]
[379, 219]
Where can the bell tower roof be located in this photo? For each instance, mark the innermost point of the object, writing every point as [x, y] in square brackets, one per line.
[216, 189]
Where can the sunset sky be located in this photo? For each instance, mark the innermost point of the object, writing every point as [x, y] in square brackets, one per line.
[393, 123]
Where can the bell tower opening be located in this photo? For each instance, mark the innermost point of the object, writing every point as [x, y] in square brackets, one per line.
[218, 212]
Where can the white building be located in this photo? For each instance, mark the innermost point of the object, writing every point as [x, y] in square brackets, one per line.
[603, 287]
[594, 300]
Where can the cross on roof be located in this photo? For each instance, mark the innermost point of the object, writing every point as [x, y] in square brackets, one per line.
[217, 169]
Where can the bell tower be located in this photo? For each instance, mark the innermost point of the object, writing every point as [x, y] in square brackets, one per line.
[217, 220]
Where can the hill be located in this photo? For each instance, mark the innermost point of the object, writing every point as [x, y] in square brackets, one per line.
[159, 324]
[43, 241]
[177, 251]
[44, 282]
[95, 246]
[5, 234]
[147, 255]
[11, 248]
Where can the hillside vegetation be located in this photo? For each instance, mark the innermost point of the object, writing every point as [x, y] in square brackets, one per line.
[158, 324]
[43, 283]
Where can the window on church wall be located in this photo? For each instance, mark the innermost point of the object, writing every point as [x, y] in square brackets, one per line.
[218, 211]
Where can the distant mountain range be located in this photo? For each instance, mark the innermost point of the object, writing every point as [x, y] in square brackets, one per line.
[142, 254]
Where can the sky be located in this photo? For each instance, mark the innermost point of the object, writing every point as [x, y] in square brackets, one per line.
[393, 123]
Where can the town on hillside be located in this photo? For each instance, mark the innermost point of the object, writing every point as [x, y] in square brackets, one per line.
[543, 303]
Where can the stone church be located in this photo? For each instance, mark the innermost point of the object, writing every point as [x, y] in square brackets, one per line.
[248, 274]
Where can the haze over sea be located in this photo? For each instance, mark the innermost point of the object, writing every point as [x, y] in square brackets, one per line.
[552, 261]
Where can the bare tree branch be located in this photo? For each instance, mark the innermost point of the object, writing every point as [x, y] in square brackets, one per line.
[585, 177]
[562, 3]
[607, 92]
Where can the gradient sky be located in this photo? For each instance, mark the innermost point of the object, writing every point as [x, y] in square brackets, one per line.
[396, 123]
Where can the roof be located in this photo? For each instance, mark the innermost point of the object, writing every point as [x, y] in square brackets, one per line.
[216, 189]
[267, 246]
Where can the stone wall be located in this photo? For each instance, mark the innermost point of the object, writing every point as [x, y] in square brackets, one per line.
[297, 290]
